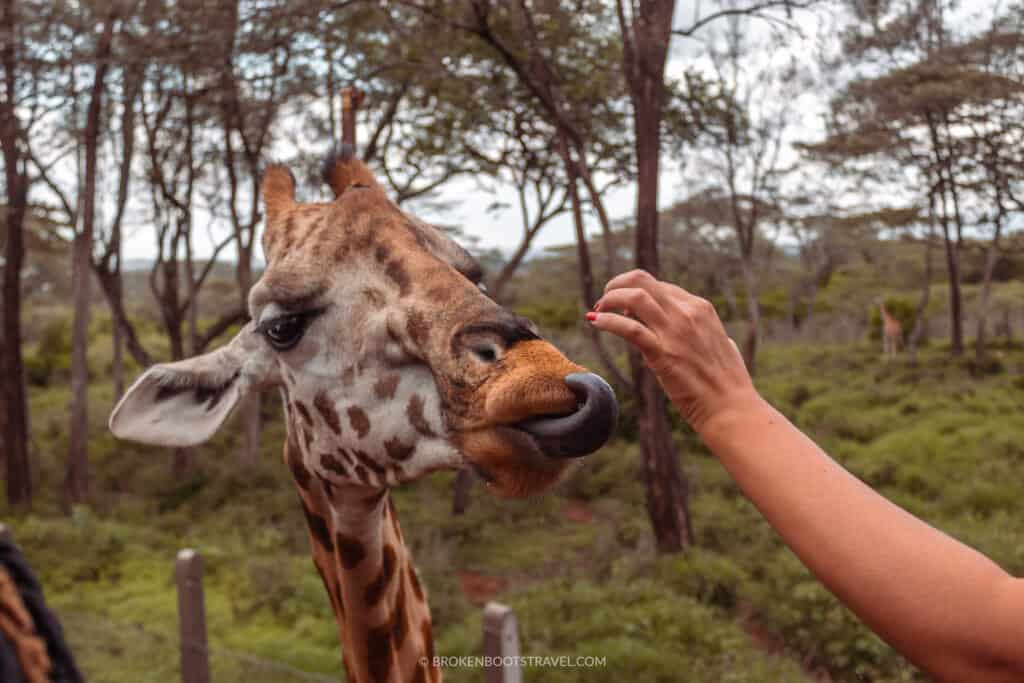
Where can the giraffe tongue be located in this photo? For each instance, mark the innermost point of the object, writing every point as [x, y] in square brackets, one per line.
[584, 431]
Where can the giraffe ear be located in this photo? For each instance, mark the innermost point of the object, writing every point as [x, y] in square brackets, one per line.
[184, 403]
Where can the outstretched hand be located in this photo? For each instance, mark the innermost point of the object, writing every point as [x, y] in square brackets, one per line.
[682, 340]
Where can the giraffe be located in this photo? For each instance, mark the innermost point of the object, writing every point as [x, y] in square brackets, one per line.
[892, 332]
[391, 363]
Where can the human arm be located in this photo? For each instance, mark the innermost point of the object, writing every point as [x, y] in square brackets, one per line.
[946, 607]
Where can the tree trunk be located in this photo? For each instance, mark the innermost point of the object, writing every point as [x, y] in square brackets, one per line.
[15, 437]
[76, 479]
[645, 51]
[914, 342]
[752, 335]
[991, 257]
[117, 343]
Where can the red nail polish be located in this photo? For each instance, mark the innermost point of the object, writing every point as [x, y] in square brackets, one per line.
[591, 317]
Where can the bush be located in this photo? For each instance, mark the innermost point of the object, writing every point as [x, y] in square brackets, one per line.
[903, 310]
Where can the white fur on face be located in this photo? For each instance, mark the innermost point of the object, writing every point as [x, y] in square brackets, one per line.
[364, 410]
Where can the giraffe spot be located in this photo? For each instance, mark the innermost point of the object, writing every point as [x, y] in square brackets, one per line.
[348, 376]
[366, 461]
[304, 412]
[307, 436]
[379, 653]
[384, 388]
[328, 486]
[318, 529]
[417, 328]
[361, 474]
[347, 457]
[382, 253]
[374, 500]
[293, 459]
[376, 589]
[332, 464]
[341, 252]
[414, 581]
[358, 419]
[350, 551]
[414, 411]
[428, 640]
[399, 627]
[396, 271]
[325, 407]
[397, 450]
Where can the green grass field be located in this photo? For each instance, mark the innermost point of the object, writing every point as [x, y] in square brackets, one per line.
[942, 438]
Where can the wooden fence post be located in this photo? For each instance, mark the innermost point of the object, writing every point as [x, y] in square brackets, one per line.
[195, 661]
[501, 644]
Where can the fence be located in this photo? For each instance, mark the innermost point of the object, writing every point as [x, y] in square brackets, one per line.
[500, 635]
[501, 631]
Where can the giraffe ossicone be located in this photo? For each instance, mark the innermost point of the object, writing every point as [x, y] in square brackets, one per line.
[391, 363]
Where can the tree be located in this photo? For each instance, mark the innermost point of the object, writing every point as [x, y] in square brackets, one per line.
[76, 480]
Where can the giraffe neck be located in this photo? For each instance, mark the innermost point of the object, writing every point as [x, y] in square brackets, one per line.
[381, 610]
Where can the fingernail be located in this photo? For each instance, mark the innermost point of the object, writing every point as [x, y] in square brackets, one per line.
[597, 306]
[591, 317]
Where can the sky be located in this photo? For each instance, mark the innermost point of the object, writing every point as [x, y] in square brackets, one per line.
[466, 203]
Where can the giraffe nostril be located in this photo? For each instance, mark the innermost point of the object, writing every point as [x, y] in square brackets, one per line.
[585, 430]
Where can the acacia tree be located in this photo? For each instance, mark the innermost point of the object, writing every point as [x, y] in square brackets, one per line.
[935, 79]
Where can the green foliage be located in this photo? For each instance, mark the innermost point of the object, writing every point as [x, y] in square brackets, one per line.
[933, 437]
[51, 359]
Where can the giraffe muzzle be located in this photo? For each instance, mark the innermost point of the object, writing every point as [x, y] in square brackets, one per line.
[583, 431]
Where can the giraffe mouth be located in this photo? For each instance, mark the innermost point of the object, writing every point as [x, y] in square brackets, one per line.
[582, 431]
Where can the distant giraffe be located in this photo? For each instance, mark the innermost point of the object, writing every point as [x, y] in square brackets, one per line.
[892, 332]
[391, 364]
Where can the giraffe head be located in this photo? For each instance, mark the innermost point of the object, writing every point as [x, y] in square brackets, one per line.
[391, 361]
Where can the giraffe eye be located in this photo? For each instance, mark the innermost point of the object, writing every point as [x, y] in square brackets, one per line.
[487, 354]
[285, 332]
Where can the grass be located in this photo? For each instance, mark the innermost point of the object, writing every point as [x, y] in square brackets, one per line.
[934, 437]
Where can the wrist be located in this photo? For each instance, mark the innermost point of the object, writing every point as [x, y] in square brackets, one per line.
[731, 417]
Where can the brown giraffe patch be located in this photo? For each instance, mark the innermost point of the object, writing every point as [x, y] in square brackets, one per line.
[350, 551]
[397, 450]
[346, 456]
[358, 419]
[379, 652]
[396, 271]
[428, 639]
[373, 501]
[332, 464]
[414, 411]
[318, 529]
[366, 461]
[348, 376]
[361, 474]
[307, 436]
[417, 328]
[293, 459]
[376, 589]
[399, 627]
[384, 388]
[304, 412]
[325, 407]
